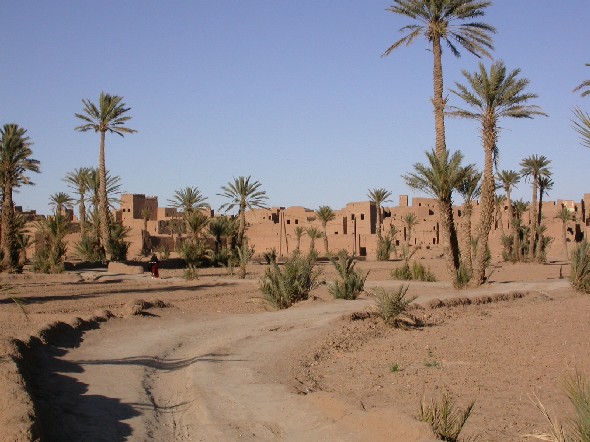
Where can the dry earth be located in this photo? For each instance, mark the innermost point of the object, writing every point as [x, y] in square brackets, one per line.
[216, 365]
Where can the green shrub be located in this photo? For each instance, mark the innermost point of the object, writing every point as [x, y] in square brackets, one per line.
[193, 252]
[270, 256]
[191, 272]
[580, 267]
[421, 273]
[417, 273]
[463, 276]
[244, 255]
[119, 247]
[402, 273]
[49, 257]
[443, 416]
[164, 252]
[292, 283]
[351, 283]
[392, 305]
[88, 249]
[385, 247]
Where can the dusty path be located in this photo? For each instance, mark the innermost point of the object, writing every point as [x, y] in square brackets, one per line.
[202, 378]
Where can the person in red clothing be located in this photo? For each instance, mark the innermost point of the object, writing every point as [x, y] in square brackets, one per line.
[153, 266]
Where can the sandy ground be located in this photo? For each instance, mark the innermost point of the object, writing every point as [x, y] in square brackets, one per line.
[217, 365]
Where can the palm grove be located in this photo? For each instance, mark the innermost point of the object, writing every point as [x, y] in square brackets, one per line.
[488, 96]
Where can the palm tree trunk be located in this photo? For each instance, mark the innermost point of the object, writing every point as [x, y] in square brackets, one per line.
[242, 228]
[533, 219]
[466, 243]
[82, 209]
[449, 241]
[326, 241]
[438, 101]
[487, 202]
[539, 218]
[103, 201]
[511, 224]
[564, 238]
[7, 235]
[379, 221]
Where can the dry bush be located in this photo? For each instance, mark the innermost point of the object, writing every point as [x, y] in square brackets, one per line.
[445, 418]
[393, 306]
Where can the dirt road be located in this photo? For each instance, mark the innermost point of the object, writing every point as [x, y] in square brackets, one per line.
[202, 378]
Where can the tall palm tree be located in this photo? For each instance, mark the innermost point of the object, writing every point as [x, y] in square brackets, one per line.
[447, 21]
[378, 197]
[439, 178]
[60, 201]
[411, 220]
[325, 214]
[243, 195]
[188, 200]
[518, 208]
[491, 97]
[110, 116]
[470, 189]
[533, 167]
[313, 233]
[565, 215]
[508, 179]
[15, 162]
[79, 181]
[299, 232]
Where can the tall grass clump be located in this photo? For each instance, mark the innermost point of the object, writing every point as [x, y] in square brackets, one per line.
[415, 273]
[292, 283]
[351, 283]
[444, 417]
[392, 305]
[580, 267]
[577, 428]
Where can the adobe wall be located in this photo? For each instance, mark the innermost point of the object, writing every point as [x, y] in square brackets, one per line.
[353, 229]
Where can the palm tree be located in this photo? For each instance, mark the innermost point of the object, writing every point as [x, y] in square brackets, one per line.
[491, 96]
[218, 227]
[508, 179]
[299, 232]
[78, 180]
[60, 201]
[243, 195]
[439, 178]
[447, 21]
[110, 116]
[470, 189]
[518, 208]
[15, 162]
[313, 233]
[533, 167]
[196, 222]
[565, 215]
[188, 200]
[584, 86]
[545, 185]
[582, 125]
[411, 220]
[378, 197]
[325, 214]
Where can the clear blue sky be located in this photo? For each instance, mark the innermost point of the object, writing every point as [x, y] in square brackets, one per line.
[292, 92]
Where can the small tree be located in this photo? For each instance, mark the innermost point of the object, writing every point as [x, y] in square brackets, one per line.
[325, 214]
[313, 233]
[50, 254]
[565, 215]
